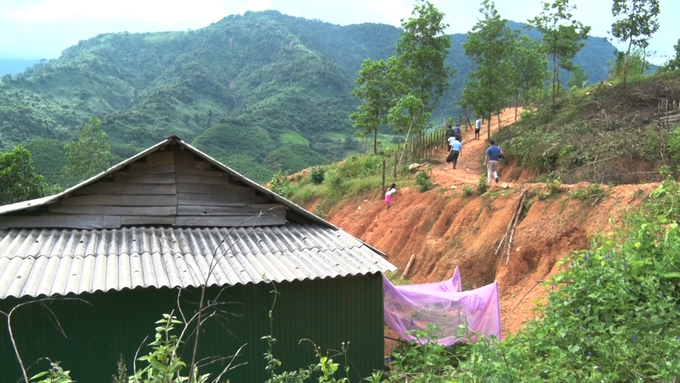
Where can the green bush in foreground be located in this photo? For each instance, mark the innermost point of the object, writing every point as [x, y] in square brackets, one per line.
[613, 314]
[423, 181]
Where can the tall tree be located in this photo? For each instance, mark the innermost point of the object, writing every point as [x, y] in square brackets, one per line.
[674, 63]
[635, 22]
[90, 155]
[529, 70]
[374, 89]
[563, 37]
[488, 46]
[18, 180]
[419, 70]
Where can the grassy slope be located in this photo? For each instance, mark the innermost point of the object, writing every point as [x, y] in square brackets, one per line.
[602, 133]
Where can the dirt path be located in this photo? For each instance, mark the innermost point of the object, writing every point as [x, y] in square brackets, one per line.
[470, 162]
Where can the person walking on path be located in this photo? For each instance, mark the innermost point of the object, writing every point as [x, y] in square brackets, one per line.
[457, 133]
[388, 195]
[478, 127]
[449, 134]
[456, 149]
[493, 153]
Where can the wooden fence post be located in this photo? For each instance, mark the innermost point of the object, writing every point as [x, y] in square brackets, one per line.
[383, 180]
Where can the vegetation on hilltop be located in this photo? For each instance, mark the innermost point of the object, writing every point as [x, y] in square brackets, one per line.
[601, 133]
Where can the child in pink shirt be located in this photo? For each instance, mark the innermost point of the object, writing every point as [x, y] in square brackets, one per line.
[388, 195]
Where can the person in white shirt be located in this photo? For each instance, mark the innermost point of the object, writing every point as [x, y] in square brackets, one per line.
[388, 195]
[456, 150]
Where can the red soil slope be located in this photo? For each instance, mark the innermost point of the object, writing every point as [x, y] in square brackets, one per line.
[445, 229]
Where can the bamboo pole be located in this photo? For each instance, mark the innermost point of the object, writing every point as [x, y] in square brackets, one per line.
[408, 266]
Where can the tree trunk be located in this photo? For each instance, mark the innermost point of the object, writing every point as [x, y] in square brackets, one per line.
[375, 141]
[625, 63]
[555, 77]
[488, 127]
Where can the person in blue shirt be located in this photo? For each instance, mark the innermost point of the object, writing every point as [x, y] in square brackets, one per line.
[493, 153]
[456, 149]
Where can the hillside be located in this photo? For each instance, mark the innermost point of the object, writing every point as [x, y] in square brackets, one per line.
[262, 92]
[444, 228]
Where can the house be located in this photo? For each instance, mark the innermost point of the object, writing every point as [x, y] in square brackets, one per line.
[116, 250]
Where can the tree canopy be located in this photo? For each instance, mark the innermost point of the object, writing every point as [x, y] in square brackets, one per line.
[635, 22]
[563, 37]
[674, 63]
[18, 180]
[488, 46]
[419, 69]
[90, 155]
[373, 88]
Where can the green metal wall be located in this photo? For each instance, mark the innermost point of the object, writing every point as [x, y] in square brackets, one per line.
[327, 311]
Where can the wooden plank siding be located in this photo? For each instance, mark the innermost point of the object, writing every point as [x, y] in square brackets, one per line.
[170, 187]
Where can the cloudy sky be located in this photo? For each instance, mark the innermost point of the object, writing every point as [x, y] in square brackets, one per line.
[35, 29]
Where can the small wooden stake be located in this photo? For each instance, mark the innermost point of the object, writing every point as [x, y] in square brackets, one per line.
[408, 265]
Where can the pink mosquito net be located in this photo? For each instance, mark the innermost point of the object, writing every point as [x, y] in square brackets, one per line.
[444, 305]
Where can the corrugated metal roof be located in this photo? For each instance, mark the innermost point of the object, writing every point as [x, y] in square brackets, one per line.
[58, 262]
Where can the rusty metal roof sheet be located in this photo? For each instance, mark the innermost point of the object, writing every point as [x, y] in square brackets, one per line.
[46, 262]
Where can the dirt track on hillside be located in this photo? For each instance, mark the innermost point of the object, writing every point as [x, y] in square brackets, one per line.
[444, 229]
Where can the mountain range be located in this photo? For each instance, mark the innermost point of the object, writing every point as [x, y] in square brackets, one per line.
[262, 92]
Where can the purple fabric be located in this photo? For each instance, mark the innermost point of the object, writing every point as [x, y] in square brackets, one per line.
[443, 304]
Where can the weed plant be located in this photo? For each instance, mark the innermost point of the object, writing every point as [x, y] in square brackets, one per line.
[423, 181]
[482, 187]
[423, 359]
[594, 191]
[468, 191]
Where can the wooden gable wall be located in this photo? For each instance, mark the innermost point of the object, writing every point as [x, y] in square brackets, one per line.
[171, 187]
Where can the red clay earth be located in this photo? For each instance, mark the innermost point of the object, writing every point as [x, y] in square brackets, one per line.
[444, 229]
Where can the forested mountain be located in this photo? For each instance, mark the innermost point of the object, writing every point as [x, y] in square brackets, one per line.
[263, 92]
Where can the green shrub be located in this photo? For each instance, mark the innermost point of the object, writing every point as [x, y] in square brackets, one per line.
[594, 191]
[333, 178]
[423, 181]
[425, 360]
[468, 191]
[317, 175]
[554, 186]
[482, 187]
[280, 185]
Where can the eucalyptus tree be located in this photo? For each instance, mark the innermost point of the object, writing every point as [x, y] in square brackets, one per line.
[488, 46]
[374, 89]
[563, 37]
[18, 180]
[418, 71]
[90, 155]
[529, 70]
[635, 21]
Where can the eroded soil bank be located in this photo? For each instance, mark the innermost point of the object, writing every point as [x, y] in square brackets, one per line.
[445, 229]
